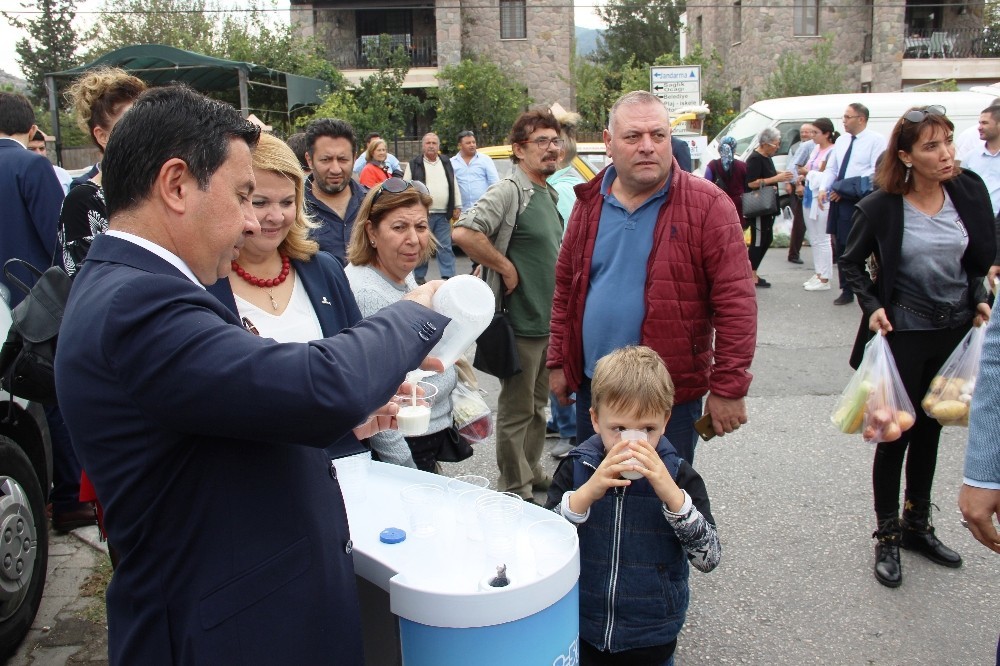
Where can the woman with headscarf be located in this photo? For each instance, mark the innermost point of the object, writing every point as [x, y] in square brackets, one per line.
[729, 173]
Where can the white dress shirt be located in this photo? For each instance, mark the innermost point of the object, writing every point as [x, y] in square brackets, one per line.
[868, 145]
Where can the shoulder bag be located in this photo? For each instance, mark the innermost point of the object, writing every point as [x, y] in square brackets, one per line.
[762, 202]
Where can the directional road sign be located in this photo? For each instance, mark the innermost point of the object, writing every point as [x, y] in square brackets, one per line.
[678, 87]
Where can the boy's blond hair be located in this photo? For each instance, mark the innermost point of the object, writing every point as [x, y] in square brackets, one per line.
[632, 379]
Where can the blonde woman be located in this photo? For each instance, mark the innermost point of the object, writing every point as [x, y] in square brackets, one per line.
[285, 288]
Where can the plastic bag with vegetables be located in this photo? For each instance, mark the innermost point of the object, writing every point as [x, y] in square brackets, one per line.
[470, 413]
[874, 401]
[950, 393]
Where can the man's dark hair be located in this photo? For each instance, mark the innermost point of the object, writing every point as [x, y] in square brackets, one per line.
[37, 136]
[16, 114]
[529, 122]
[860, 109]
[297, 142]
[166, 123]
[333, 128]
[994, 111]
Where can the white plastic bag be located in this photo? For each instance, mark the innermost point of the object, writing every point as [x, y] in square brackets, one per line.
[950, 393]
[471, 414]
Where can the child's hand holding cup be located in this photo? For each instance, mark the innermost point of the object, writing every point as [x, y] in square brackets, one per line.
[633, 436]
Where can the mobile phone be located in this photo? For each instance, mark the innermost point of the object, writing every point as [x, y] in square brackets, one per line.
[704, 428]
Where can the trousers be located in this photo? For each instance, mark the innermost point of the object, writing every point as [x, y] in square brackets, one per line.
[521, 419]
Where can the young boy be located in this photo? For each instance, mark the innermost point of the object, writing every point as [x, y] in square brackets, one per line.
[636, 536]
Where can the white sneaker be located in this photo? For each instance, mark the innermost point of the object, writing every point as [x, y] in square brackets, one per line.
[813, 279]
[818, 285]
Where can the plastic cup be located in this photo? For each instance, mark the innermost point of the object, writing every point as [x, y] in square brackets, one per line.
[414, 416]
[470, 304]
[552, 542]
[499, 518]
[633, 435]
[352, 474]
[422, 502]
[465, 514]
[465, 482]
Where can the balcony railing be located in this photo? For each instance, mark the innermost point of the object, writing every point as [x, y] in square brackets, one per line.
[962, 43]
[369, 51]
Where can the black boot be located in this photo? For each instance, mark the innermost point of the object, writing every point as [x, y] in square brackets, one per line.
[888, 570]
[918, 535]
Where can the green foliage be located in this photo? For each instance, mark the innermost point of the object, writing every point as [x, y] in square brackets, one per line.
[941, 85]
[477, 95]
[378, 103]
[991, 31]
[70, 135]
[597, 86]
[819, 75]
[51, 42]
[183, 24]
[638, 31]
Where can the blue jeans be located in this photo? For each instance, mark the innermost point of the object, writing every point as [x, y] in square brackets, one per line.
[65, 494]
[440, 224]
[680, 428]
[563, 419]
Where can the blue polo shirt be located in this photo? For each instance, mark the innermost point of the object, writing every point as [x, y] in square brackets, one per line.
[616, 298]
[333, 232]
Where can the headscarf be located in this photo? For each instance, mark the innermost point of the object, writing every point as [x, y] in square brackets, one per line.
[726, 149]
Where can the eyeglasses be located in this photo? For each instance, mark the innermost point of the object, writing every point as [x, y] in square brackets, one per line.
[847, 117]
[544, 142]
[465, 133]
[917, 115]
[397, 186]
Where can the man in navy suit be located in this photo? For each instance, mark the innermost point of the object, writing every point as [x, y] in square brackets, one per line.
[205, 442]
[30, 192]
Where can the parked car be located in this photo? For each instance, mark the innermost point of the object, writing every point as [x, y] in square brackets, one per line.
[25, 477]
[590, 158]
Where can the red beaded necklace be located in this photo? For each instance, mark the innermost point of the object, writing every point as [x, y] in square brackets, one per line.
[265, 283]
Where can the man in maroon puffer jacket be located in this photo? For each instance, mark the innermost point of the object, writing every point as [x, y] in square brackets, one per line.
[655, 256]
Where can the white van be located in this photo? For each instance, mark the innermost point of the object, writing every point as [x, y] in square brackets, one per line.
[787, 114]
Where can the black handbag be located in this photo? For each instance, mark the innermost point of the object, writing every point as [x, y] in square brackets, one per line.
[454, 447]
[762, 202]
[27, 359]
[496, 348]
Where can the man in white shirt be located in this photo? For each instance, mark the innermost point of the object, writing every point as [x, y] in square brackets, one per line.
[853, 157]
[37, 145]
[474, 171]
[436, 173]
[984, 159]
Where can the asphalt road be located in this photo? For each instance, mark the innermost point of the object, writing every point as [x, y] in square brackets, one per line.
[792, 497]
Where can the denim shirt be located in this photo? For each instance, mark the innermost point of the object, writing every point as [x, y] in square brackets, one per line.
[634, 571]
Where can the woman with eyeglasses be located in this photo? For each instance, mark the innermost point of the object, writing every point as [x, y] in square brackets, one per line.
[930, 230]
[761, 173]
[391, 237]
[376, 170]
[285, 288]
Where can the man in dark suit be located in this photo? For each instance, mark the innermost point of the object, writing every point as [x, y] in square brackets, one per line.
[204, 441]
[30, 192]
[682, 153]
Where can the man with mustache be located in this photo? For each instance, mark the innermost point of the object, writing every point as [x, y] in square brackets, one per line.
[524, 272]
[332, 197]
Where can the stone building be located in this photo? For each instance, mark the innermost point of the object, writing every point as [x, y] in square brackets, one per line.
[883, 45]
[532, 41]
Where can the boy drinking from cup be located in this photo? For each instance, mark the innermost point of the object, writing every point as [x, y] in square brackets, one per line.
[636, 536]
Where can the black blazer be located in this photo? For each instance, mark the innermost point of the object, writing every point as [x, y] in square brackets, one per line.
[205, 444]
[877, 228]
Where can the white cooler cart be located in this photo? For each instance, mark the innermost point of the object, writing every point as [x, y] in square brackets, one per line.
[426, 601]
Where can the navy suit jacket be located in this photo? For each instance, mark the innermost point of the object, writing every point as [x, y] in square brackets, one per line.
[681, 153]
[204, 442]
[31, 197]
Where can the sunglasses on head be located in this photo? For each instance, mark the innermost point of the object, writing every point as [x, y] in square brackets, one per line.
[396, 185]
[917, 115]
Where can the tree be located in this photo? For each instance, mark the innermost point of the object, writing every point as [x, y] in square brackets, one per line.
[477, 95]
[50, 45]
[378, 103]
[639, 30]
[184, 24]
[597, 86]
[794, 77]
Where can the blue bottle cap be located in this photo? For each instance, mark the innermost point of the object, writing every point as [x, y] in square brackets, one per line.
[392, 535]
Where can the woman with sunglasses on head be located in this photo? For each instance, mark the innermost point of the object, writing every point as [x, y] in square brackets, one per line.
[930, 228]
[391, 237]
[761, 173]
[285, 288]
[376, 169]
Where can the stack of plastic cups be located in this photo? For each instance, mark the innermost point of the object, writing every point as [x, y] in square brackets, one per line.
[500, 518]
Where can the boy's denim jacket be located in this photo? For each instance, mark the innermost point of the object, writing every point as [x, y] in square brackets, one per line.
[633, 569]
